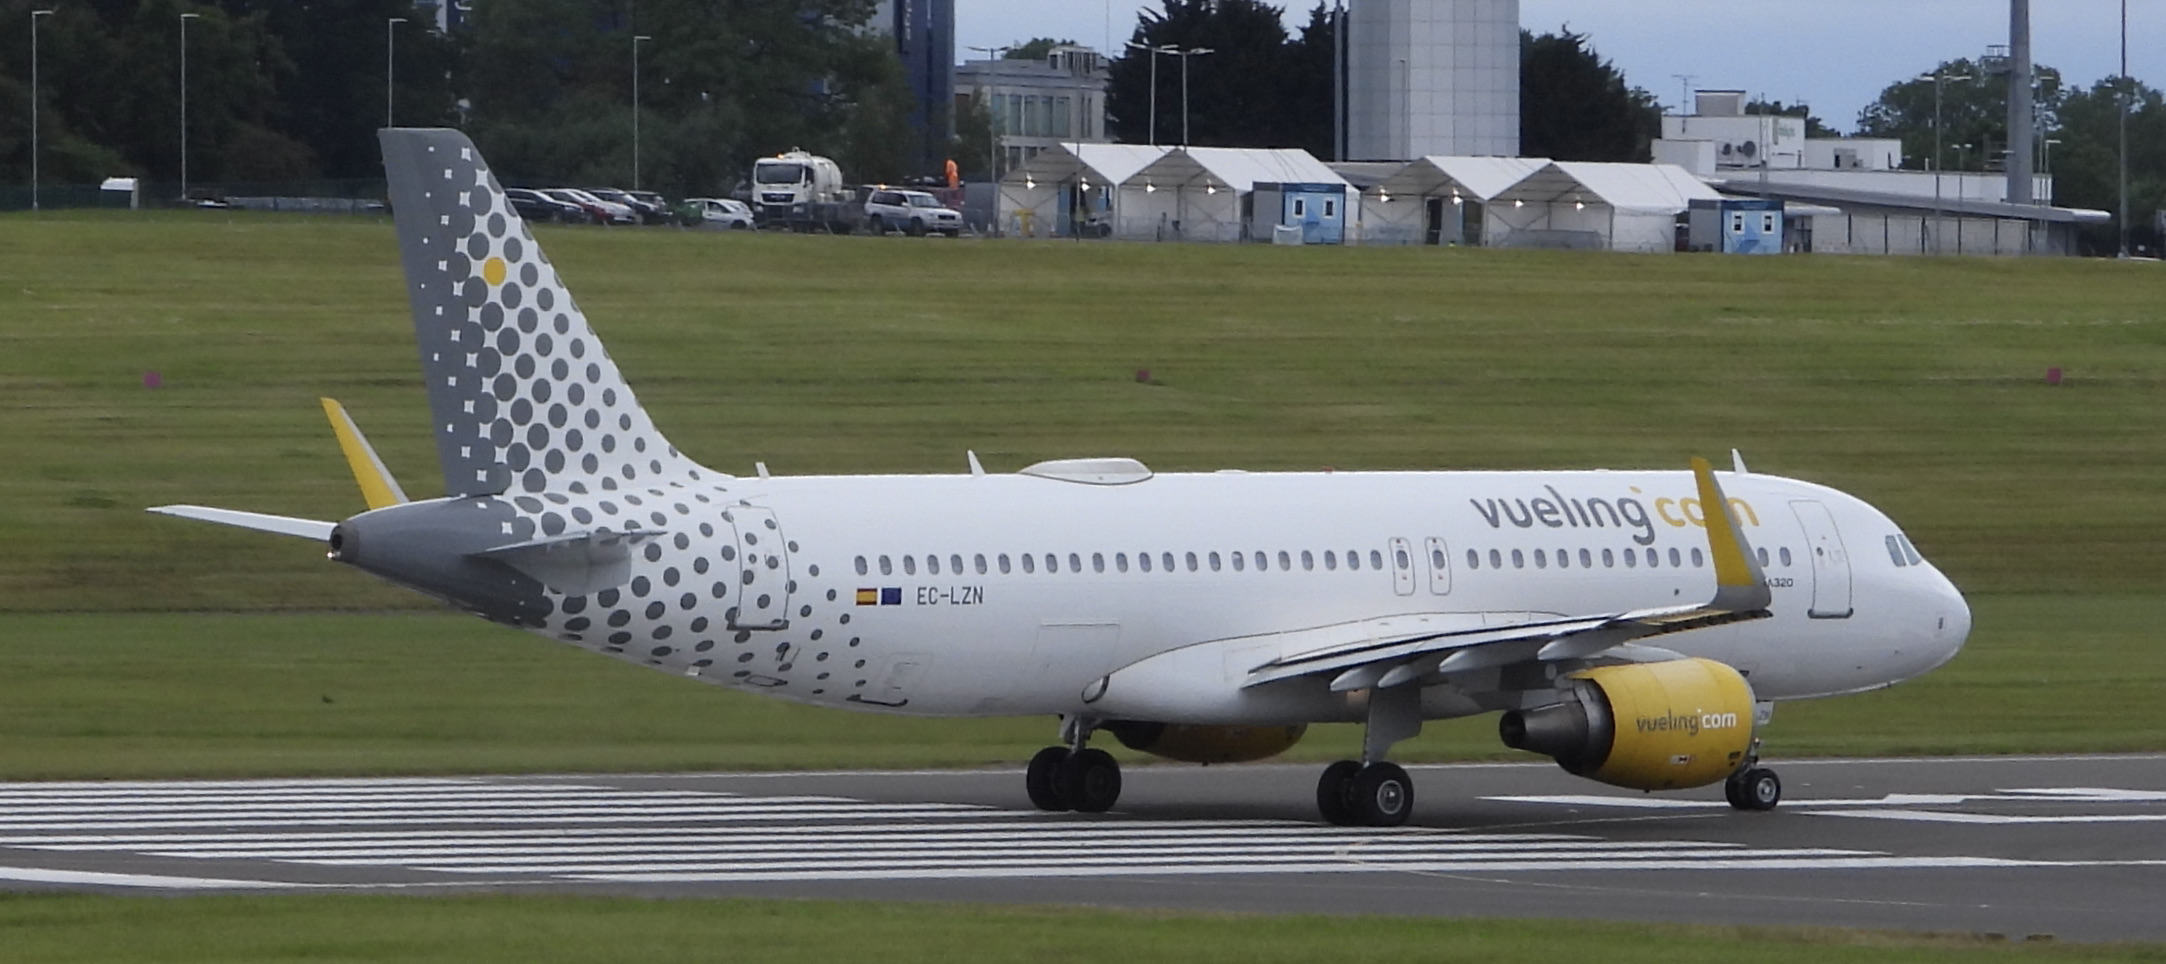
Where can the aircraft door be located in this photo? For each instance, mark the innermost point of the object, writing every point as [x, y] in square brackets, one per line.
[1831, 564]
[1440, 567]
[763, 570]
[1402, 567]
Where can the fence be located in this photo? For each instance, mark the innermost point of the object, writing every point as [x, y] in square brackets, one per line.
[329, 196]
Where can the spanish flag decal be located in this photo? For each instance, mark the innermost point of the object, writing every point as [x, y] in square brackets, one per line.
[885, 596]
[868, 597]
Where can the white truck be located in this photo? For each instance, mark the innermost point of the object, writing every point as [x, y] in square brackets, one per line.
[803, 192]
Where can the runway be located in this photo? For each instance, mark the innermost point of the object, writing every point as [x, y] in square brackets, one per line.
[2067, 846]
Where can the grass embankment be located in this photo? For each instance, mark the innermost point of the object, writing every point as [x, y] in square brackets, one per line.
[477, 930]
[1918, 384]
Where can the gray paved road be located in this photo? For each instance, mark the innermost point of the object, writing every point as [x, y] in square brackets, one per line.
[2068, 846]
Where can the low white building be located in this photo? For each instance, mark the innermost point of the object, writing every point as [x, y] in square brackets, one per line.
[1149, 193]
[1037, 104]
[1585, 205]
[1438, 199]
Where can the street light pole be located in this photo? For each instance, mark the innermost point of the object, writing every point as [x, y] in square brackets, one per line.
[390, 65]
[34, 15]
[1184, 55]
[2123, 84]
[184, 18]
[636, 41]
[1154, 52]
[1940, 78]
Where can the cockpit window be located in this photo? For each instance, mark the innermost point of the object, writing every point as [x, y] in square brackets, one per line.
[1910, 550]
[1895, 551]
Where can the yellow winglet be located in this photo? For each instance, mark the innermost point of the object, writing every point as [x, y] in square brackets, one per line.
[1739, 584]
[378, 488]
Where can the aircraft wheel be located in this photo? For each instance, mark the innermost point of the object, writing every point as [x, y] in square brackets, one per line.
[1042, 779]
[1332, 791]
[1089, 781]
[1381, 795]
[1757, 788]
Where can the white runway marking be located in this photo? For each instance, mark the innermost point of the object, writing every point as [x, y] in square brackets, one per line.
[311, 833]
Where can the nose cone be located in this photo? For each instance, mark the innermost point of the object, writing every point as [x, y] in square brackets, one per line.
[1951, 619]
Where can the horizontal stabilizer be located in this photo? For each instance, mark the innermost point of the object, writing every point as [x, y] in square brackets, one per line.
[576, 564]
[284, 525]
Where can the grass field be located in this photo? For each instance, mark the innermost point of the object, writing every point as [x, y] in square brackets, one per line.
[1918, 384]
[483, 929]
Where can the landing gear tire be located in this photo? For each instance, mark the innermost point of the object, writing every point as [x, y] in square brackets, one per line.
[1333, 789]
[1088, 781]
[1381, 795]
[1754, 788]
[1042, 780]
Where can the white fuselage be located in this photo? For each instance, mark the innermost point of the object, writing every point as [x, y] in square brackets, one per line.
[912, 594]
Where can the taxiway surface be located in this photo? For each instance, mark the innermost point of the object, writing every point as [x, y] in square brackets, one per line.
[2067, 846]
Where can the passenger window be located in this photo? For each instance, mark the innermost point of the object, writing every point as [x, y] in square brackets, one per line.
[1143, 561]
[1286, 562]
[1263, 562]
[910, 565]
[1308, 561]
[1399, 556]
[1518, 561]
[1098, 562]
[1075, 562]
[1609, 559]
[1586, 559]
[887, 567]
[1697, 560]
[1353, 559]
[979, 562]
[861, 567]
[1436, 557]
[1654, 559]
[1675, 561]
[1004, 570]
[1541, 559]
[1165, 561]
[1785, 555]
[1763, 556]
[1895, 552]
[1120, 561]
[1214, 562]
[1474, 559]
[1331, 560]
[1496, 559]
[932, 565]
[1376, 559]
[1564, 558]
[1030, 563]
[1240, 562]
[1632, 559]
[955, 563]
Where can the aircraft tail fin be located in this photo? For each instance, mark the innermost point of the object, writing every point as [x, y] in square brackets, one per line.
[522, 396]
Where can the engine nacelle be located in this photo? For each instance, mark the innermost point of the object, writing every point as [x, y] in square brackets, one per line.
[1647, 726]
[1191, 743]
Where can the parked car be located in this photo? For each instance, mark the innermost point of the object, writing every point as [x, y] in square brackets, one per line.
[649, 212]
[719, 213]
[535, 206]
[602, 212]
[912, 212]
[660, 203]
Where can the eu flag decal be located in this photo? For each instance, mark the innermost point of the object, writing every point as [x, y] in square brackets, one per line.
[891, 596]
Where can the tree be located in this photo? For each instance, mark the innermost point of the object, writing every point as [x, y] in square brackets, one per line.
[1973, 110]
[1035, 48]
[2086, 164]
[1575, 106]
[335, 105]
[1814, 126]
[1238, 95]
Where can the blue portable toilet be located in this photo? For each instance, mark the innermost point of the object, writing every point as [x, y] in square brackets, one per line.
[1751, 226]
[1319, 210]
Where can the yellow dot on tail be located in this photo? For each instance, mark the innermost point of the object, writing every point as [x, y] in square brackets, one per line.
[492, 271]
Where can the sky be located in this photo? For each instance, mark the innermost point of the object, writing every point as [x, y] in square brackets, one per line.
[1836, 55]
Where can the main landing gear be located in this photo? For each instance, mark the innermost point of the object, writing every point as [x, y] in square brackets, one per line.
[1753, 787]
[1352, 794]
[1073, 777]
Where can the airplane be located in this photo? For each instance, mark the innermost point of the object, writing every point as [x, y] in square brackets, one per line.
[1636, 626]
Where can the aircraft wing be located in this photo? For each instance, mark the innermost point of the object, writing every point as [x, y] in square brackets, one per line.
[1393, 651]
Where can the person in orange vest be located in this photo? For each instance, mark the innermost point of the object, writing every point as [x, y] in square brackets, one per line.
[954, 177]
